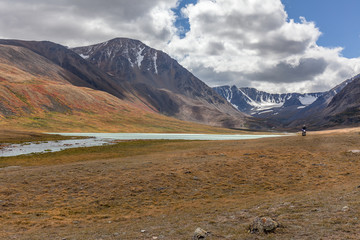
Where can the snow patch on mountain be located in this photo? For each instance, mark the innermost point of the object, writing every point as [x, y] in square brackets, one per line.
[84, 56]
[307, 99]
[261, 106]
[263, 101]
[267, 111]
[140, 57]
[252, 101]
[155, 63]
[135, 53]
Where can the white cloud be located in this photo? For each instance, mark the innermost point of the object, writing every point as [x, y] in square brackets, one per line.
[242, 42]
[253, 43]
[82, 22]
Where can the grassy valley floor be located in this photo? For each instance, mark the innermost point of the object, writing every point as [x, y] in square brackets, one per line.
[169, 188]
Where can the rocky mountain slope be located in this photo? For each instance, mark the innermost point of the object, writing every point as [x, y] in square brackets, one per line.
[161, 82]
[36, 93]
[254, 102]
[338, 106]
[75, 69]
[130, 71]
[31, 84]
[314, 113]
[277, 108]
[344, 107]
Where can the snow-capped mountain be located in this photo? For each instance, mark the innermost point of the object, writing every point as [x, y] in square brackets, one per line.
[344, 107]
[161, 82]
[312, 113]
[332, 107]
[124, 52]
[295, 109]
[261, 104]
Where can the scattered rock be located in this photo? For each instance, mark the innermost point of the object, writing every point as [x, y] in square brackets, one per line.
[200, 234]
[345, 209]
[263, 225]
[143, 231]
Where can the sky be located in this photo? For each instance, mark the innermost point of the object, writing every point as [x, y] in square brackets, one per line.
[276, 46]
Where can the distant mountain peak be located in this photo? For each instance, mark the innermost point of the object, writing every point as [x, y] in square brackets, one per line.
[255, 102]
[161, 82]
[130, 52]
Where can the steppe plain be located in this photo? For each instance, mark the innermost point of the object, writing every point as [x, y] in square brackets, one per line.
[166, 189]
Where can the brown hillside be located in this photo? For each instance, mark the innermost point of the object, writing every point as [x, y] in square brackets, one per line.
[163, 83]
[34, 94]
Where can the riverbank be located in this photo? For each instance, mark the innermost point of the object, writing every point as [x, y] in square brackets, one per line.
[76, 140]
[15, 136]
[166, 189]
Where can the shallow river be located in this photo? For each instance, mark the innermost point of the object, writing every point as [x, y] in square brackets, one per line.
[168, 136]
[98, 139]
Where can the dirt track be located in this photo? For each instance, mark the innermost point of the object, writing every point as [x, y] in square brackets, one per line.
[309, 184]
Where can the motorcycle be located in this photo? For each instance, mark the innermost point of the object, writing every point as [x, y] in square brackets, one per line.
[304, 132]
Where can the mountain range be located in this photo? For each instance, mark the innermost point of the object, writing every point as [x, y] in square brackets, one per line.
[290, 110]
[259, 103]
[116, 75]
[125, 85]
[161, 82]
[38, 94]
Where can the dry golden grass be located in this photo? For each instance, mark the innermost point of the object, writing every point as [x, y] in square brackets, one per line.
[115, 122]
[169, 188]
[12, 136]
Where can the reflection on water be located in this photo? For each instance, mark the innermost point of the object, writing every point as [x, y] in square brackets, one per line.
[98, 139]
[50, 146]
[169, 136]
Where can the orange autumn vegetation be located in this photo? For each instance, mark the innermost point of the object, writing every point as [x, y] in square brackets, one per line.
[41, 103]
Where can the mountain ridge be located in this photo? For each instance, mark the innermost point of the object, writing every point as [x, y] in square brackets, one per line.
[255, 102]
[290, 110]
[158, 79]
[177, 94]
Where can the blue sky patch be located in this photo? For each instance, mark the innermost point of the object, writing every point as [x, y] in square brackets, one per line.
[182, 23]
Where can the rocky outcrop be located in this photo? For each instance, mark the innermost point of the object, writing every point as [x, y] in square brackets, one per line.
[263, 225]
[200, 234]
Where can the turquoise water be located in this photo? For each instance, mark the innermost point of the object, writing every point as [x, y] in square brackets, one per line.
[168, 136]
[98, 139]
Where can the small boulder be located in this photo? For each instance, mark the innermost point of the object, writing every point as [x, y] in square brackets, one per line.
[200, 234]
[263, 225]
[345, 209]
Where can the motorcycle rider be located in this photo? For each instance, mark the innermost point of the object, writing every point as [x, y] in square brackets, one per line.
[304, 130]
